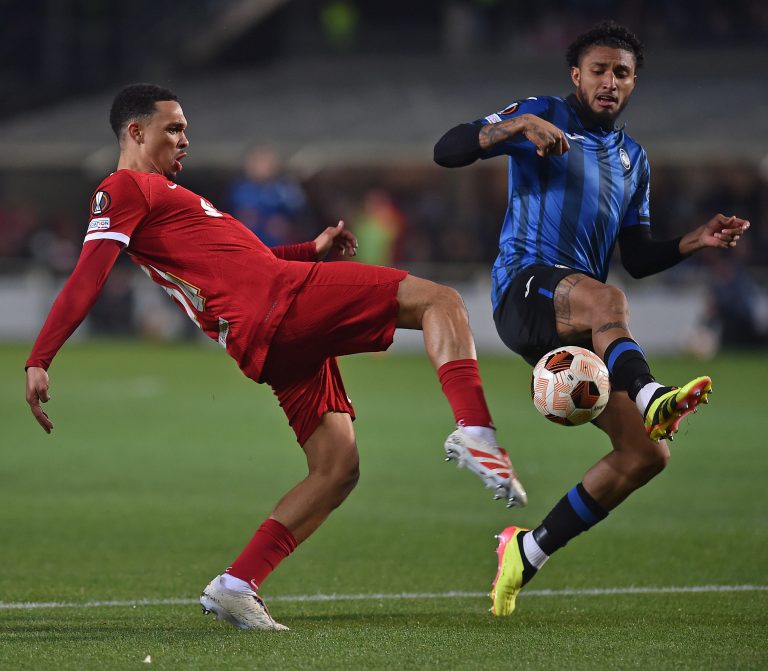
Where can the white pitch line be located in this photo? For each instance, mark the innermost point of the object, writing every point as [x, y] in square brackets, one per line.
[404, 596]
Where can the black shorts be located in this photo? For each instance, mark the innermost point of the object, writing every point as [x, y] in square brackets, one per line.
[525, 318]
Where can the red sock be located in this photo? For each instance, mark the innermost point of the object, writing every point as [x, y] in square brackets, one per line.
[271, 543]
[464, 390]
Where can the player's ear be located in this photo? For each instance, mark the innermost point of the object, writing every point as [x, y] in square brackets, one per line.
[134, 132]
[575, 76]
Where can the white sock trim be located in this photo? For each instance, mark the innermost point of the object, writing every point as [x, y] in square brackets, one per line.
[484, 433]
[533, 553]
[644, 395]
[235, 584]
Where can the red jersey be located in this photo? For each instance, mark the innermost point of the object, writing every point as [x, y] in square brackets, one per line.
[227, 281]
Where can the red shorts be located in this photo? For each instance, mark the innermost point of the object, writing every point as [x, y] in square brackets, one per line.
[342, 308]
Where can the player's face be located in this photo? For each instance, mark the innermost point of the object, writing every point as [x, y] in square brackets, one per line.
[604, 81]
[165, 139]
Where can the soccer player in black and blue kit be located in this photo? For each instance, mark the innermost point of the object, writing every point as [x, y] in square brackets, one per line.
[578, 185]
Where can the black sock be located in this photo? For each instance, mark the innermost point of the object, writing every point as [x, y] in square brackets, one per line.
[627, 365]
[577, 511]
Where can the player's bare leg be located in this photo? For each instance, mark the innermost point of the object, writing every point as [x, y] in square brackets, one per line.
[439, 312]
[634, 460]
[333, 472]
[585, 310]
[333, 463]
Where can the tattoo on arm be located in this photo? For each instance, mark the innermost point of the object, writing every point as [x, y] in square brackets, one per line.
[493, 134]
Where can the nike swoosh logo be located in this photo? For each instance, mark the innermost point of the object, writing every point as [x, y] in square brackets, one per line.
[528, 286]
[171, 186]
[574, 136]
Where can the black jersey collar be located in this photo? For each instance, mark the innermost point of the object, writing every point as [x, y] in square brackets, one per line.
[587, 120]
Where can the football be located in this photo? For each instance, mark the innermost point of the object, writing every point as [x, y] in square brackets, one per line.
[570, 385]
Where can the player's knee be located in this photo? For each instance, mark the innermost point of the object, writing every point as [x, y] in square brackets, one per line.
[450, 300]
[349, 476]
[648, 463]
[344, 473]
[611, 303]
[419, 297]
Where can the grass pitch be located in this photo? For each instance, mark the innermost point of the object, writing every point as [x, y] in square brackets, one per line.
[164, 459]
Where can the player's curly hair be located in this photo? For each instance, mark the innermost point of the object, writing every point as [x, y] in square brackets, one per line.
[605, 34]
[135, 101]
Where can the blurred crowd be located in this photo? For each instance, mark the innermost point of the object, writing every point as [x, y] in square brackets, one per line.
[439, 224]
[403, 215]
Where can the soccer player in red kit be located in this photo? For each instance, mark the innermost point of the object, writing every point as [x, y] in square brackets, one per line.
[281, 315]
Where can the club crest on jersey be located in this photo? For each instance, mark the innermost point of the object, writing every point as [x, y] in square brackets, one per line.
[209, 209]
[100, 202]
[624, 157]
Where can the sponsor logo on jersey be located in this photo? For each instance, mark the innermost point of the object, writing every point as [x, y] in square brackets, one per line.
[528, 287]
[574, 136]
[100, 224]
[171, 186]
[493, 118]
[209, 209]
[557, 265]
[624, 157]
[100, 202]
[511, 109]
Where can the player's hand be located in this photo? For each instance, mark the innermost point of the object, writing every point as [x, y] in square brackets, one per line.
[548, 138]
[336, 237]
[37, 393]
[720, 231]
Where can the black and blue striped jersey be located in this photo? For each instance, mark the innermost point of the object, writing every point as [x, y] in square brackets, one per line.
[567, 210]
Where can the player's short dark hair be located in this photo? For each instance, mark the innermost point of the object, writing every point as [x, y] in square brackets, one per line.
[605, 34]
[136, 101]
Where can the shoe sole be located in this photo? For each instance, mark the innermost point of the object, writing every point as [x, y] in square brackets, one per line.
[695, 392]
[210, 605]
[504, 604]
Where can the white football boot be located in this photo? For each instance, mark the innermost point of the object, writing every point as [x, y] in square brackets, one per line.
[242, 609]
[489, 462]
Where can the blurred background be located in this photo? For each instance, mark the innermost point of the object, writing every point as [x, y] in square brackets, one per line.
[303, 112]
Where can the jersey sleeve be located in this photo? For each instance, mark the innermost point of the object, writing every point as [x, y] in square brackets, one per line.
[117, 209]
[303, 251]
[75, 300]
[639, 210]
[539, 107]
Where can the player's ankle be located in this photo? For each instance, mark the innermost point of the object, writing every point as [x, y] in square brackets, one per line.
[235, 584]
[532, 555]
[646, 394]
[485, 433]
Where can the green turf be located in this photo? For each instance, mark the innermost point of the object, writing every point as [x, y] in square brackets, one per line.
[164, 459]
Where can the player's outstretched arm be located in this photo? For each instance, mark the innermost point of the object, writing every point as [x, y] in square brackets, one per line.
[37, 393]
[720, 231]
[68, 311]
[336, 237]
